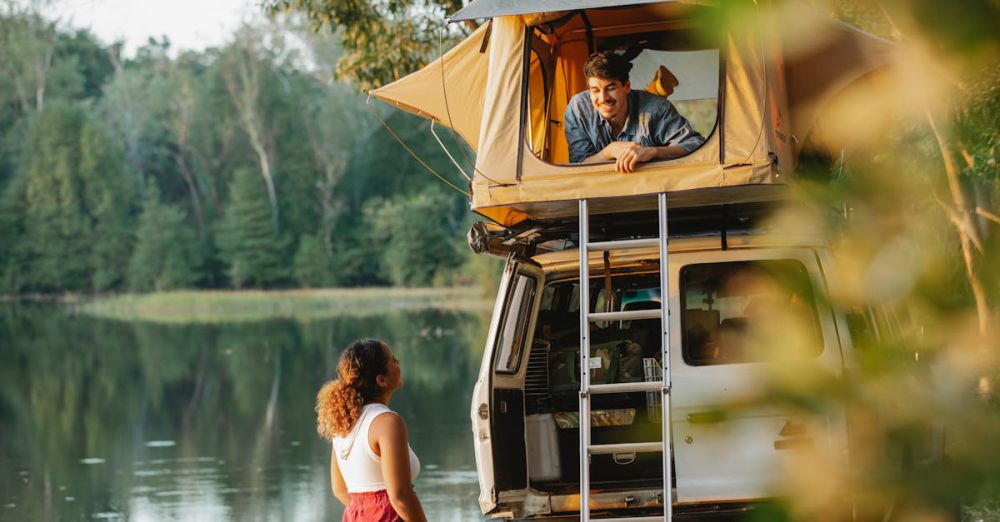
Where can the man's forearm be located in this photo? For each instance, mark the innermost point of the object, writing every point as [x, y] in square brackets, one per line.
[596, 158]
[609, 153]
[670, 152]
[614, 149]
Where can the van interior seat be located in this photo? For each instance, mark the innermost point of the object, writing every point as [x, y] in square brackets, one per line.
[700, 327]
[559, 328]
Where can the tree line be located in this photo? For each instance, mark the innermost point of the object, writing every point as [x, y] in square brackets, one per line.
[233, 167]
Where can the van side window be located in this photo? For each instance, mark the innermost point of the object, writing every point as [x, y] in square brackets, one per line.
[729, 308]
[515, 323]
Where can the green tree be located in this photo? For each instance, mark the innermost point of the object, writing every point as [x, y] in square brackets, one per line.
[91, 59]
[78, 203]
[255, 253]
[245, 67]
[415, 236]
[380, 40]
[313, 262]
[165, 255]
[134, 106]
[28, 42]
[109, 200]
[14, 256]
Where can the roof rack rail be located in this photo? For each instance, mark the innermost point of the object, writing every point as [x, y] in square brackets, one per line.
[528, 238]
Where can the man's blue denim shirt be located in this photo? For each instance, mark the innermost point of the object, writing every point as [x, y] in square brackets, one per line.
[652, 122]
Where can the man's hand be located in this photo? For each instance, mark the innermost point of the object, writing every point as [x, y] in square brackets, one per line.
[631, 154]
[627, 155]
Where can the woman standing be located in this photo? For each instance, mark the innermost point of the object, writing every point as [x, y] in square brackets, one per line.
[373, 466]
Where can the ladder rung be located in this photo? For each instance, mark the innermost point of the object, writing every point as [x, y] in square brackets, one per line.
[630, 447]
[626, 387]
[623, 244]
[630, 519]
[627, 315]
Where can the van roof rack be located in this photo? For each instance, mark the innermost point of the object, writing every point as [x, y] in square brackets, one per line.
[525, 239]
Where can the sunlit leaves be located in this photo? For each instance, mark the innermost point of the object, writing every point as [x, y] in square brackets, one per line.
[382, 40]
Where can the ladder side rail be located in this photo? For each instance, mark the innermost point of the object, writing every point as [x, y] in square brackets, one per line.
[665, 358]
[584, 415]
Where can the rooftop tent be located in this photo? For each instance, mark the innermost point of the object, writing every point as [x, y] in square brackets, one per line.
[504, 90]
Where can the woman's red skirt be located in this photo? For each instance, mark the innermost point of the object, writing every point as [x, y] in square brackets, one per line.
[370, 507]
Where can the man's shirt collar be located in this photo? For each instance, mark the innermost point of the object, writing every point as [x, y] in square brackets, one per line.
[631, 118]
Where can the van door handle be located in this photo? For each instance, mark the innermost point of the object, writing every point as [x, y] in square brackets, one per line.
[706, 417]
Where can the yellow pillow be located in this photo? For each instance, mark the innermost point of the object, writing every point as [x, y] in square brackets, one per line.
[663, 83]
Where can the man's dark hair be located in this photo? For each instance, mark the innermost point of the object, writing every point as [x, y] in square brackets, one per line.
[607, 65]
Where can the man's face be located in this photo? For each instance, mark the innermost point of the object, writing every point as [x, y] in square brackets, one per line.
[610, 97]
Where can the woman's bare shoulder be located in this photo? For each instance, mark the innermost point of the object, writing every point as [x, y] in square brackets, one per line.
[389, 423]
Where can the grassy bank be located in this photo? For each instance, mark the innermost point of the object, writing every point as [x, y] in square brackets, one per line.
[256, 305]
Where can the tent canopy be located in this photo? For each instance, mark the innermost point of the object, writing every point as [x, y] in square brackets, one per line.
[504, 89]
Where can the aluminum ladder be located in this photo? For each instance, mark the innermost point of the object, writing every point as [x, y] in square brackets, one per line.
[587, 390]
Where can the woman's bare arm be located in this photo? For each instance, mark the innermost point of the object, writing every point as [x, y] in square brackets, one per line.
[391, 444]
[337, 480]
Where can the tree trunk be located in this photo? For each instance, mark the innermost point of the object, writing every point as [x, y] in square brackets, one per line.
[41, 74]
[244, 92]
[192, 191]
[265, 169]
[333, 168]
[966, 230]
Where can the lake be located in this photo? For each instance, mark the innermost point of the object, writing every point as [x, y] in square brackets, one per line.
[111, 420]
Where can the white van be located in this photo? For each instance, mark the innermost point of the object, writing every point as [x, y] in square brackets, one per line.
[724, 274]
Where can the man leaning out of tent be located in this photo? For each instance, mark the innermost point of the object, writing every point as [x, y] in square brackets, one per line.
[611, 122]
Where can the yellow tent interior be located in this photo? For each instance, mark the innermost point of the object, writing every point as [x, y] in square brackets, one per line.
[505, 87]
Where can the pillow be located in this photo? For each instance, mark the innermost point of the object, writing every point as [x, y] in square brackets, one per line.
[663, 83]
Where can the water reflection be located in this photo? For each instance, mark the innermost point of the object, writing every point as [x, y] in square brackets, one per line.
[108, 420]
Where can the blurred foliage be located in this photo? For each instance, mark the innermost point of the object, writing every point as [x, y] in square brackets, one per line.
[909, 207]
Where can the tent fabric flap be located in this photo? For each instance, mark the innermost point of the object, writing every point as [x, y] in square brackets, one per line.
[450, 90]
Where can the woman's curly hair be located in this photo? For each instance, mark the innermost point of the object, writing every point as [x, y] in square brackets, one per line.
[339, 402]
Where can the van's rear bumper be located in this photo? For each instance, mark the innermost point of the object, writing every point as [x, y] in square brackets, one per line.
[531, 504]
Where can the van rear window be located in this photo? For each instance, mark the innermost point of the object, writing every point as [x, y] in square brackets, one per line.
[510, 342]
[740, 312]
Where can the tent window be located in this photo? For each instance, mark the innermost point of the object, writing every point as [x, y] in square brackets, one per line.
[672, 61]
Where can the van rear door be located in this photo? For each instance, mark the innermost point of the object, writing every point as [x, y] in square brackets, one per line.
[498, 396]
[722, 298]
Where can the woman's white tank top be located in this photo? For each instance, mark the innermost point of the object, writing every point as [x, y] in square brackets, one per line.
[359, 465]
